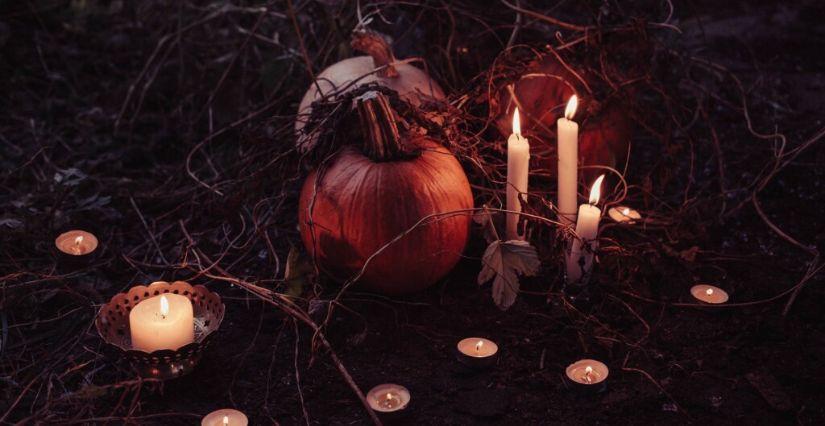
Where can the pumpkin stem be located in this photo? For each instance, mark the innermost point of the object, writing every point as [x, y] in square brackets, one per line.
[375, 45]
[382, 140]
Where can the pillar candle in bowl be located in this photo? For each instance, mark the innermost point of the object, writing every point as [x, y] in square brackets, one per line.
[579, 262]
[709, 294]
[587, 375]
[388, 400]
[624, 214]
[162, 322]
[225, 417]
[149, 346]
[518, 170]
[477, 352]
[568, 163]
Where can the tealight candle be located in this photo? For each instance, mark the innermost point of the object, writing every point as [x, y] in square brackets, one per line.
[76, 242]
[162, 322]
[624, 214]
[587, 374]
[709, 294]
[225, 417]
[567, 152]
[388, 398]
[477, 351]
[518, 170]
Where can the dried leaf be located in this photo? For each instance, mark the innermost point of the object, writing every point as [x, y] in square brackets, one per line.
[689, 255]
[298, 272]
[69, 177]
[504, 262]
[11, 223]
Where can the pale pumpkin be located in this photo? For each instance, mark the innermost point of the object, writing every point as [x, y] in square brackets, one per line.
[412, 84]
[368, 197]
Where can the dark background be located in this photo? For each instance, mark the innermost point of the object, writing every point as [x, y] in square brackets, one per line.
[140, 120]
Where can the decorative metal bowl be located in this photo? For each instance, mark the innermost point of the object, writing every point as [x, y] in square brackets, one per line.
[113, 326]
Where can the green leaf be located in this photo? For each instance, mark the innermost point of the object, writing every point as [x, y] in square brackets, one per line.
[504, 262]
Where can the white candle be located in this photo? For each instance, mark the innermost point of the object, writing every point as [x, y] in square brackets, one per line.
[388, 398]
[518, 167]
[477, 347]
[709, 294]
[587, 372]
[568, 162]
[162, 322]
[225, 417]
[624, 214]
[580, 260]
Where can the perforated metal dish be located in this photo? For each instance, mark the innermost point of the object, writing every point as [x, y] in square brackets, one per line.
[113, 326]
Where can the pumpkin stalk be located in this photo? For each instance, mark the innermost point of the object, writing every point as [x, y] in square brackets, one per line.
[382, 139]
[375, 45]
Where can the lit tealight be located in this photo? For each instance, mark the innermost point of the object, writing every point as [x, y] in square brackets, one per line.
[709, 294]
[76, 242]
[587, 372]
[225, 417]
[477, 351]
[388, 398]
[624, 214]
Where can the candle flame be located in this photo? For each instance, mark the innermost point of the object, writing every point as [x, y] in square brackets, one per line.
[78, 240]
[516, 123]
[595, 191]
[226, 420]
[572, 105]
[479, 345]
[389, 396]
[709, 291]
[626, 211]
[164, 306]
[587, 372]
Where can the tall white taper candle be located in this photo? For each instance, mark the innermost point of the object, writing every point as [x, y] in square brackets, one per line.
[568, 160]
[518, 168]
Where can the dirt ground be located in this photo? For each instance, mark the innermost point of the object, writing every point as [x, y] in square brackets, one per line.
[144, 122]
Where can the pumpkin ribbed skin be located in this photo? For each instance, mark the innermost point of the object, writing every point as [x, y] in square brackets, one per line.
[543, 91]
[359, 205]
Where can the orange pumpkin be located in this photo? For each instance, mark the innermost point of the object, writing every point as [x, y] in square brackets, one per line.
[367, 198]
[543, 91]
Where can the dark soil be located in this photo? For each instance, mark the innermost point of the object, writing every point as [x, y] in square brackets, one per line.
[145, 121]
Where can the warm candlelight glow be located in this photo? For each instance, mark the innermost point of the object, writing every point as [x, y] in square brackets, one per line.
[477, 352]
[709, 294]
[595, 191]
[587, 372]
[225, 417]
[76, 242]
[516, 123]
[626, 211]
[572, 105]
[164, 306]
